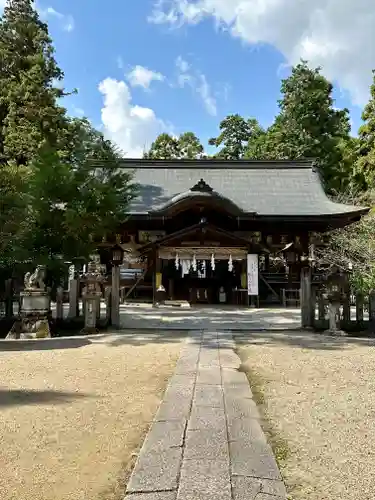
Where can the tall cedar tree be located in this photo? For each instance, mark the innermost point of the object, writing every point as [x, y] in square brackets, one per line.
[309, 126]
[365, 164]
[68, 197]
[29, 114]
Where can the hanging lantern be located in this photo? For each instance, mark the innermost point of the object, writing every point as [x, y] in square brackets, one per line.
[230, 264]
[194, 263]
[213, 262]
[176, 262]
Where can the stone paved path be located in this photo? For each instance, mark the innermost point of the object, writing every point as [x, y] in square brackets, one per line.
[206, 442]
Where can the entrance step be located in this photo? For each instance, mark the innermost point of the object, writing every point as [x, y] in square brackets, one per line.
[177, 303]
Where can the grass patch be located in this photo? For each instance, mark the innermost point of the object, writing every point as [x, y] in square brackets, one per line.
[278, 444]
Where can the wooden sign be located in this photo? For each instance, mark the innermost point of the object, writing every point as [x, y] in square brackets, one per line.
[150, 236]
[252, 274]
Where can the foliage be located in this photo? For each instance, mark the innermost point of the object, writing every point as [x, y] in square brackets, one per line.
[14, 202]
[365, 164]
[237, 137]
[59, 178]
[353, 249]
[29, 114]
[166, 147]
[70, 203]
[189, 146]
[309, 126]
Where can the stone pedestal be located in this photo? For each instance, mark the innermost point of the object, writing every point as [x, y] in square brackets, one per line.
[33, 321]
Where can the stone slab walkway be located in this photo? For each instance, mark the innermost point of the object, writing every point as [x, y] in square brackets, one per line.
[206, 442]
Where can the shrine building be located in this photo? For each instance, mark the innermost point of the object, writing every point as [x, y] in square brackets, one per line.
[219, 231]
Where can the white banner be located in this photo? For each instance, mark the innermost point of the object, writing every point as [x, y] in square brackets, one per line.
[252, 274]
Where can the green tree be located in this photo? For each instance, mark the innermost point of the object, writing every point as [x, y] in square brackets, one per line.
[29, 114]
[256, 147]
[353, 248]
[73, 201]
[166, 147]
[14, 202]
[54, 196]
[234, 137]
[189, 146]
[365, 165]
[309, 126]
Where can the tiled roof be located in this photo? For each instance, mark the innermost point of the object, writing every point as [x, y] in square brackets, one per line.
[266, 188]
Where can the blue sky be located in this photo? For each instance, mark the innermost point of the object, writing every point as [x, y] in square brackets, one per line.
[145, 66]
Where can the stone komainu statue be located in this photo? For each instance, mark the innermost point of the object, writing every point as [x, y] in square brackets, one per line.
[35, 281]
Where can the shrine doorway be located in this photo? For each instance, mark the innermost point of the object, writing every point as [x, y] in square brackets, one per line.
[200, 284]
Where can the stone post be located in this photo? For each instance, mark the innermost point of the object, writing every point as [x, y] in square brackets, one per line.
[306, 299]
[73, 298]
[59, 303]
[115, 301]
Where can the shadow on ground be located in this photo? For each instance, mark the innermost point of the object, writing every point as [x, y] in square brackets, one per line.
[22, 397]
[44, 344]
[301, 340]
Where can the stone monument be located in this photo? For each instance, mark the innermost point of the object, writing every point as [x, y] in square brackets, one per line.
[33, 321]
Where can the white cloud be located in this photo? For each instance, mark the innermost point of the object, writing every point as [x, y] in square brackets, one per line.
[198, 82]
[338, 35]
[140, 76]
[133, 128]
[66, 20]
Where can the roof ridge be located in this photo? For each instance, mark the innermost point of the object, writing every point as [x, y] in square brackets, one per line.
[216, 164]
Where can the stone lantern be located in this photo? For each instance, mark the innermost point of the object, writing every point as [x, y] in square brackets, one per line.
[335, 294]
[93, 278]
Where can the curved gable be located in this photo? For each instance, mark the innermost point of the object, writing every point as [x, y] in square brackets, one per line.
[201, 194]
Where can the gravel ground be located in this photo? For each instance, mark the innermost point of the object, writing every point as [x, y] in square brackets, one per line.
[319, 395]
[73, 412]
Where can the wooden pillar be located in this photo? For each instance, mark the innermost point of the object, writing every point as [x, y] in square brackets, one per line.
[359, 307]
[245, 300]
[108, 304]
[346, 301]
[306, 299]
[157, 279]
[115, 297]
